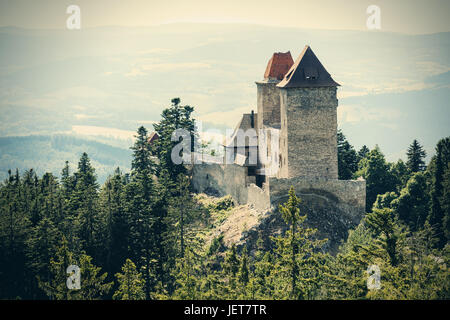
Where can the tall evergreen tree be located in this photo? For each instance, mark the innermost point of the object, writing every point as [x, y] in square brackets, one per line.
[383, 222]
[92, 283]
[379, 178]
[41, 247]
[297, 265]
[347, 158]
[14, 231]
[140, 199]
[416, 155]
[436, 217]
[182, 213]
[413, 201]
[173, 118]
[84, 202]
[446, 202]
[363, 152]
[131, 284]
[112, 200]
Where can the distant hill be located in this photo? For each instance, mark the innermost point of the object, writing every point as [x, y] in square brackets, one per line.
[394, 87]
[49, 153]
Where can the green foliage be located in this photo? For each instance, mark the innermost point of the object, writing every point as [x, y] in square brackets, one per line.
[384, 223]
[93, 284]
[363, 152]
[173, 118]
[416, 155]
[438, 217]
[224, 203]
[49, 152]
[298, 267]
[379, 178]
[347, 158]
[151, 217]
[131, 284]
[412, 203]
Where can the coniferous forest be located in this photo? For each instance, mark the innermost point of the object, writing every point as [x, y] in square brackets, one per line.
[141, 235]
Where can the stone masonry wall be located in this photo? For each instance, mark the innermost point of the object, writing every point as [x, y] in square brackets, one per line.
[259, 198]
[308, 133]
[221, 180]
[349, 195]
[268, 104]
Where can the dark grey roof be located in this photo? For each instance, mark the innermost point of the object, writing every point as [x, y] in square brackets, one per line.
[307, 71]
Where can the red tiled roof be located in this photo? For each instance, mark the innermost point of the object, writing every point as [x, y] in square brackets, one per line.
[278, 65]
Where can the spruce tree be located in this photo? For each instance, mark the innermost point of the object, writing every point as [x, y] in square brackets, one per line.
[14, 231]
[112, 200]
[437, 215]
[363, 152]
[84, 202]
[347, 158]
[243, 269]
[131, 285]
[173, 118]
[56, 285]
[140, 198]
[297, 256]
[379, 177]
[93, 282]
[413, 202]
[416, 155]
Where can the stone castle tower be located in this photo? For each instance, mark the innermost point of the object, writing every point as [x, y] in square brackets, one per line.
[302, 102]
[297, 105]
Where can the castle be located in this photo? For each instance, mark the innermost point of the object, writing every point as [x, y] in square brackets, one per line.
[290, 141]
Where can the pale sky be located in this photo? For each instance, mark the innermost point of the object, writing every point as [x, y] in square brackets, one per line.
[404, 16]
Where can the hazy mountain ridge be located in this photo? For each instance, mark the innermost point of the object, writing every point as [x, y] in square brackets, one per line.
[49, 153]
[395, 87]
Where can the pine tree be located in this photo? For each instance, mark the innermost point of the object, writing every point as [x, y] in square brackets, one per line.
[56, 285]
[173, 118]
[93, 283]
[437, 215]
[383, 222]
[131, 284]
[84, 202]
[187, 283]
[363, 152]
[230, 269]
[67, 181]
[297, 265]
[413, 201]
[347, 157]
[140, 198]
[182, 213]
[416, 155]
[291, 215]
[446, 202]
[243, 269]
[14, 231]
[379, 177]
[115, 222]
[41, 247]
